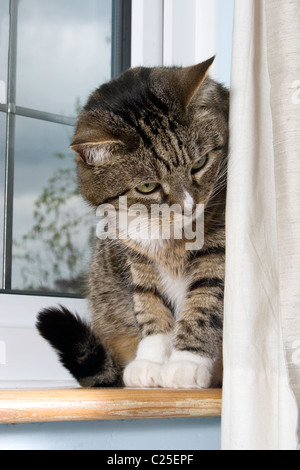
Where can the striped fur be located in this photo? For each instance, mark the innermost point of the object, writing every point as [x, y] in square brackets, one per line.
[153, 125]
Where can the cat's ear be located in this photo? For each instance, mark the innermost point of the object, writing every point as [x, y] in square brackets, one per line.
[94, 153]
[191, 78]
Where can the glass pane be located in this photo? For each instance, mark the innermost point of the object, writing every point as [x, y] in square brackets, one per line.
[4, 31]
[52, 225]
[64, 52]
[2, 169]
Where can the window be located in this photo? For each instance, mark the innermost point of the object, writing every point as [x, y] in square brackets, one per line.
[52, 55]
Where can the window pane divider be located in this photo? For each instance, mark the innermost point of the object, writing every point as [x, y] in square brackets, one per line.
[9, 154]
[37, 114]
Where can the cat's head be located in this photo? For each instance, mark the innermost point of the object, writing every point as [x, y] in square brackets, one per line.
[155, 135]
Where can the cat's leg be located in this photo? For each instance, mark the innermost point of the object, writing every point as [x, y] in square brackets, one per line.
[196, 349]
[197, 341]
[155, 322]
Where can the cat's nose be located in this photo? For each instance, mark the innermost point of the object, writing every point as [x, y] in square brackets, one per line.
[188, 203]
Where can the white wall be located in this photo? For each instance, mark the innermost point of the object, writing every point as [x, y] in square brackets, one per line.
[164, 434]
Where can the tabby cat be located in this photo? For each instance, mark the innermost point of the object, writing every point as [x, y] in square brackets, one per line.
[155, 136]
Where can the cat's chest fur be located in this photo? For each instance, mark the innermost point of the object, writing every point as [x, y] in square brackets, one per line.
[174, 288]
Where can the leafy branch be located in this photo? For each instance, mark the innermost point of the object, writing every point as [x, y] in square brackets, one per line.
[53, 253]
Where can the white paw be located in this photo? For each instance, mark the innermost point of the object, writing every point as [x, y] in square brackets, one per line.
[142, 373]
[185, 375]
[186, 370]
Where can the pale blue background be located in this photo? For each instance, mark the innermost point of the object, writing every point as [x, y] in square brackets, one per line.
[161, 434]
[165, 434]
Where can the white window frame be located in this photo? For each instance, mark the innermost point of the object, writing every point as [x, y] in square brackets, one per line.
[155, 26]
[26, 359]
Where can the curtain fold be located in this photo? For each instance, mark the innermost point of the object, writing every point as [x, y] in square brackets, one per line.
[261, 387]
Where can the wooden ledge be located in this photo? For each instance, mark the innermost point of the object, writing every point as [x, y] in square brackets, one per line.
[31, 406]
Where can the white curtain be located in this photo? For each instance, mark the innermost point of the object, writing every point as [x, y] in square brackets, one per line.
[261, 390]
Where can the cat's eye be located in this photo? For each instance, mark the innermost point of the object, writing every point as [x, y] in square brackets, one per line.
[147, 188]
[200, 164]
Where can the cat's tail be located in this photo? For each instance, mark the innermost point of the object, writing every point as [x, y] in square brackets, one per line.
[78, 348]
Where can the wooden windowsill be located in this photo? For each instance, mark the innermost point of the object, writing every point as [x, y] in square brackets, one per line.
[30, 406]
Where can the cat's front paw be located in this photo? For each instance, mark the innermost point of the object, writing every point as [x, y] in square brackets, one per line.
[186, 370]
[142, 373]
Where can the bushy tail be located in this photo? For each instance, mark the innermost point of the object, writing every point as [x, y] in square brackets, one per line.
[78, 348]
